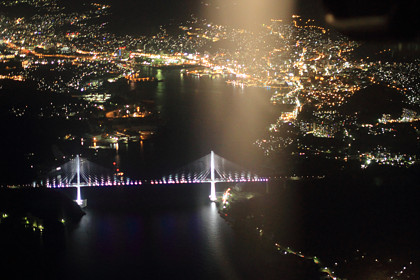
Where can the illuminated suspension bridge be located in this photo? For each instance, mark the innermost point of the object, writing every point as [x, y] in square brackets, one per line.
[80, 172]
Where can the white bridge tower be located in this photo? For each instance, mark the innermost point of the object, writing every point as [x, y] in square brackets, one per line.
[212, 179]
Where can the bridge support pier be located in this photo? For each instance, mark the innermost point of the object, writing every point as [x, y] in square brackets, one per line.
[81, 202]
[213, 191]
[79, 195]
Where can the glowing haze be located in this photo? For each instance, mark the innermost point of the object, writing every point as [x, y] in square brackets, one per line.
[247, 13]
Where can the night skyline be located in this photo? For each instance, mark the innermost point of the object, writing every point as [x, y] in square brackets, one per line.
[140, 89]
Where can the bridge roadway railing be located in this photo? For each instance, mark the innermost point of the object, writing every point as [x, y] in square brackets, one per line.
[156, 182]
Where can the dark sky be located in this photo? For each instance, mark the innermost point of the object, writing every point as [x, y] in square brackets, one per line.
[146, 16]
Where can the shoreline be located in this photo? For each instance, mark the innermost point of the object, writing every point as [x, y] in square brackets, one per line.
[306, 230]
[39, 206]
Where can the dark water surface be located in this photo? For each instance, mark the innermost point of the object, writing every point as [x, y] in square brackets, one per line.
[158, 232]
[199, 115]
[169, 233]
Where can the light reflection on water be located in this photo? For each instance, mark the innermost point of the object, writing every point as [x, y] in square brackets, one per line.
[148, 237]
[198, 115]
[191, 241]
[217, 248]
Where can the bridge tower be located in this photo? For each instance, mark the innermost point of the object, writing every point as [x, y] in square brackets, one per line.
[81, 202]
[212, 179]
